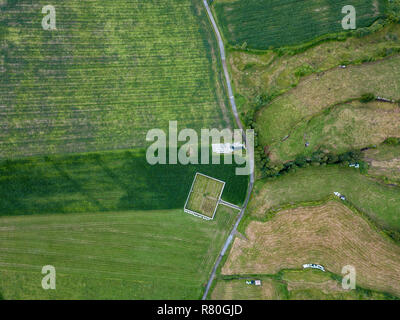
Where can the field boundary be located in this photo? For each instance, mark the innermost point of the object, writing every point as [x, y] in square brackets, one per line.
[278, 277]
[239, 123]
[378, 23]
[197, 214]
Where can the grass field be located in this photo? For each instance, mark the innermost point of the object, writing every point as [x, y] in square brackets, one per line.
[318, 92]
[205, 195]
[107, 181]
[270, 73]
[292, 285]
[116, 255]
[380, 202]
[264, 24]
[345, 127]
[111, 71]
[239, 290]
[331, 235]
[384, 162]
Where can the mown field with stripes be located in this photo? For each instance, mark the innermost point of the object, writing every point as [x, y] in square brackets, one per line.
[111, 71]
[116, 255]
[111, 224]
[261, 24]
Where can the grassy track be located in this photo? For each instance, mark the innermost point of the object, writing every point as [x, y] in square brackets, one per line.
[263, 24]
[108, 181]
[116, 255]
[331, 235]
[380, 202]
[111, 71]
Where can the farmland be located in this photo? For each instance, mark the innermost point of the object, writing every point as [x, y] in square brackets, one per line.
[205, 195]
[319, 92]
[110, 72]
[105, 181]
[239, 290]
[312, 184]
[291, 285]
[384, 162]
[78, 192]
[331, 235]
[349, 126]
[263, 24]
[115, 255]
[270, 73]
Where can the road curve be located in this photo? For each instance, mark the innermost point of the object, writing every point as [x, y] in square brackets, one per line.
[251, 182]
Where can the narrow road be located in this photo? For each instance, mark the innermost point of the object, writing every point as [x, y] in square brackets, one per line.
[249, 151]
[229, 205]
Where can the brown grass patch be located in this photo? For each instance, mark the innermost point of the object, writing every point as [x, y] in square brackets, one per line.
[239, 290]
[331, 235]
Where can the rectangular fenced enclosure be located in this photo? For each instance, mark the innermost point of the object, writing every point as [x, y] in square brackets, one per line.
[204, 196]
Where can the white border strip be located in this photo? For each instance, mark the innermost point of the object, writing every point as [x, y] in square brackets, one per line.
[190, 192]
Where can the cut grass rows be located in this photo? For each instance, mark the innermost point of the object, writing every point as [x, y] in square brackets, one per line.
[331, 235]
[264, 24]
[378, 201]
[109, 73]
[115, 255]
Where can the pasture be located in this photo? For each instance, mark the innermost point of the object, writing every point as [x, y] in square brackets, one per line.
[110, 72]
[384, 161]
[104, 181]
[263, 24]
[238, 290]
[270, 73]
[345, 127]
[318, 92]
[204, 195]
[380, 202]
[331, 235]
[113, 255]
[292, 285]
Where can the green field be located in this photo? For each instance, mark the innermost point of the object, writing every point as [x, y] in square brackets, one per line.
[111, 71]
[108, 181]
[378, 201]
[343, 128]
[275, 23]
[115, 255]
[204, 195]
[318, 92]
[270, 73]
[292, 285]
[384, 162]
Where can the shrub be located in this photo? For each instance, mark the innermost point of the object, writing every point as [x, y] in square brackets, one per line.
[367, 97]
[392, 141]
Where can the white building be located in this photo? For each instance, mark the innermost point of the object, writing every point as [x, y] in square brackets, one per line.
[227, 147]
